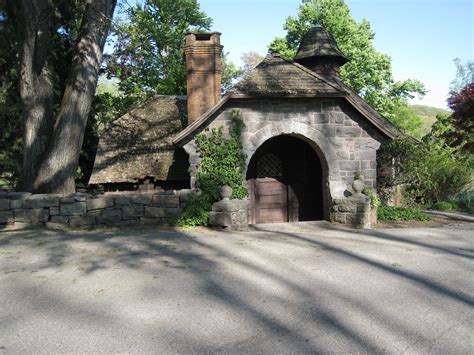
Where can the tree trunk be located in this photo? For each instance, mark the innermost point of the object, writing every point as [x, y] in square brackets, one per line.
[59, 162]
[36, 85]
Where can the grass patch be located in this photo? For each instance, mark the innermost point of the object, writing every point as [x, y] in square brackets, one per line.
[389, 213]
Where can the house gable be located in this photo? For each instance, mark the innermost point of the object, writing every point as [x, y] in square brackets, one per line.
[278, 77]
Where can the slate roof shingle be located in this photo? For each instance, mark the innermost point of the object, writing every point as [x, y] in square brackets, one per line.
[319, 43]
[278, 76]
[139, 144]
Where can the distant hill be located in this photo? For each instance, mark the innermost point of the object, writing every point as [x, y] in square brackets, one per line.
[427, 115]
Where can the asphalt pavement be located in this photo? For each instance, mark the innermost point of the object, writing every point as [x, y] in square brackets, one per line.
[281, 288]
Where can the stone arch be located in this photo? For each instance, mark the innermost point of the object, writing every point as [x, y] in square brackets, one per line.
[333, 186]
[315, 138]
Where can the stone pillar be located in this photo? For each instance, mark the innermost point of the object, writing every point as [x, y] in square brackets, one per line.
[203, 72]
[229, 214]
[354, 210]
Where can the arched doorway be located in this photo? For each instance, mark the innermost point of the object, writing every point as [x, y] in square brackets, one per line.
[285, 182]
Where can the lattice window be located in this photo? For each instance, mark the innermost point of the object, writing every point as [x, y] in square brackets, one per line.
[269, 166]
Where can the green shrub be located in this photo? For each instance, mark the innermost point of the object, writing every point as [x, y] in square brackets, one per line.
[374, 198]
[443, 206]
[222, 163]
[196, 212]
[465, 201]
[429, 170]
[389, 213]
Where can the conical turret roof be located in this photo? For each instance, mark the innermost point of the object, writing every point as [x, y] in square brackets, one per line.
[319, 43]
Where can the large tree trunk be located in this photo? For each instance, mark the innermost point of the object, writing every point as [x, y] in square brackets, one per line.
[36, 85]
[57, 168]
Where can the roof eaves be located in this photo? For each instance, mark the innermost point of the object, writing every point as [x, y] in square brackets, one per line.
[200, 121]
[388, 129]
[280, 95]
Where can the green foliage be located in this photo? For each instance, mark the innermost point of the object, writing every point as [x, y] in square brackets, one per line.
[428, 116]
[375, 201]
[10, 107]
[222, 163]
[457, 129]
[430, 170]
[369, 72]
[443, 206]
[405, 119]
[64, 23]
[464, 75]
[465, 201]
[148, 51]
[230, 73]
[389, 213]
[196, 212]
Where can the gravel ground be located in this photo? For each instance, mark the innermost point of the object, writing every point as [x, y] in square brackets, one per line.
[281, 288]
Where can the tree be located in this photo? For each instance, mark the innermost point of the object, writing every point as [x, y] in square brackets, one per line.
[462, 118]
[148, 51]
[251, 60]
[457, 129]
[10, 125]
[431, 171]
[409, 122]
[230, 73]
[55, 38]
[369, 72]
[464, 75]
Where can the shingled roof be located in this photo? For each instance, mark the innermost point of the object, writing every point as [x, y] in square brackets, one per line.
[139, 144]
[277, 76]
[319, 43]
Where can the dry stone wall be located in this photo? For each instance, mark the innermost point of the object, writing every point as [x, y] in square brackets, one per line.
[21, 209]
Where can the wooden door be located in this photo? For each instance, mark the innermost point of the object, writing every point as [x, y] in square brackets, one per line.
[271, 197]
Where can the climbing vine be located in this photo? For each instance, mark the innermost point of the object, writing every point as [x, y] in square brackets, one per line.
[222, 163]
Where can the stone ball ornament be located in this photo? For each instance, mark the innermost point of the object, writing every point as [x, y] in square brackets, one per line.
[358, 185]
[226, 192]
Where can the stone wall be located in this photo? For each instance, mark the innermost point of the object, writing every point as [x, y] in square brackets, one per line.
[20, 209]
[344, 141]
[342, 138]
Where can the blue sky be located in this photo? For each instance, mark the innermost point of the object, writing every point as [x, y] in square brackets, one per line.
[421, 36]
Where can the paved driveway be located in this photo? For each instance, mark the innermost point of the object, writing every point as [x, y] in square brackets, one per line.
[283, 289]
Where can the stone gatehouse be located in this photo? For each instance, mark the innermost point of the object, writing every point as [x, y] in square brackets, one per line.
[306, 133]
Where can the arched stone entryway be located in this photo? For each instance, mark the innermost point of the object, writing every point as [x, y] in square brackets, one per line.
[286, 181]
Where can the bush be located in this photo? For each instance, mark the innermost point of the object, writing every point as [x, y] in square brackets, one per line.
[443, 206]
[430, 170]
[389, 213]
[196, 212]
[465, 201]
[222, 163]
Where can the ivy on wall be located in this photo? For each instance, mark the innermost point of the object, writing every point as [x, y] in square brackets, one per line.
[222, 163]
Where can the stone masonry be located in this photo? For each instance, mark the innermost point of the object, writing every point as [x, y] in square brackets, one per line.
[344, 142]
[19, 209]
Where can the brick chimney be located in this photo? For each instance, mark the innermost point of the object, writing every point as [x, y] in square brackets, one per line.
[203, 69]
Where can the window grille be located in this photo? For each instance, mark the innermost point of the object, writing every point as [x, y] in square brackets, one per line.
[269, 166]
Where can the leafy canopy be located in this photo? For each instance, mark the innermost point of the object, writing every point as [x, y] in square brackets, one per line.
[457, 129]
[431, 170]
[464, 75]
[148, 50]
[369, 72]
